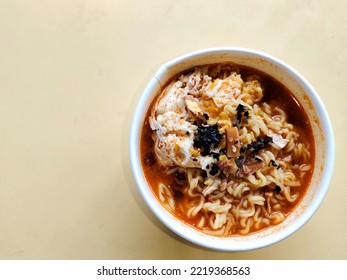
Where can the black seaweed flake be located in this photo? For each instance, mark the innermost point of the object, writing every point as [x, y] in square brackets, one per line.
[214, 169]
[267, 140]
[240, 109]
[274, 164]
[242, 114]
[215, 155]
[207, 138]
[277, 189]
[255, 147]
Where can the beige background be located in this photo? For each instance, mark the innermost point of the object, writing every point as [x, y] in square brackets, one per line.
[70, 74]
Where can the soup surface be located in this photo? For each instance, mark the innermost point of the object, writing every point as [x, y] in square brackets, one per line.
[227, 149]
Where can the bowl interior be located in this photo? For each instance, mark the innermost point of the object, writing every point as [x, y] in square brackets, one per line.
[318, 118]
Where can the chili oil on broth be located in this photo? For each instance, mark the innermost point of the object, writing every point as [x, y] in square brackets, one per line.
[275, 95]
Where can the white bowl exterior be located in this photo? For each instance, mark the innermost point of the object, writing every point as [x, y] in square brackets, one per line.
[321, 126]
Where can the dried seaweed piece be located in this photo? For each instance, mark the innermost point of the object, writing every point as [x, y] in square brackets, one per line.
[207, 138]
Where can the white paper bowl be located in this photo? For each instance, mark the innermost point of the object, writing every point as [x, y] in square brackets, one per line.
[321, 126]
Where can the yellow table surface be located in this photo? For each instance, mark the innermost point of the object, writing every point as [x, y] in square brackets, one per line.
[71, 72]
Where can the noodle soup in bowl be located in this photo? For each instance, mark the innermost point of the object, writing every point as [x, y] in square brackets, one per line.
[232, 149]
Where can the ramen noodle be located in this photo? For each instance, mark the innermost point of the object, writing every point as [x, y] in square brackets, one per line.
[227, 149]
